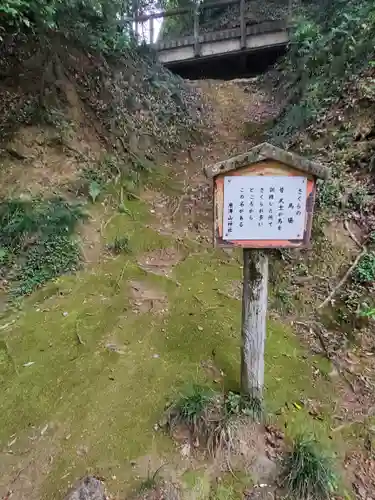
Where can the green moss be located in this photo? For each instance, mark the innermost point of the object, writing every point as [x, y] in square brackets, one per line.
[109, 402]
[196, 484]
[232, 487]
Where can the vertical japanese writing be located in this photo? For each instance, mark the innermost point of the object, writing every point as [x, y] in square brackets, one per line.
[280, 208]
[251, 203]
[242, 206]
[230, 217]
[271, 201]
[261, 208]
[299, 202]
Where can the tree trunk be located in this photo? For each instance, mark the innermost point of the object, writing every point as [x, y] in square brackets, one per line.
[254, 312]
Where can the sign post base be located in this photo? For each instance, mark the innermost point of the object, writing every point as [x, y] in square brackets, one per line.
[254, 313]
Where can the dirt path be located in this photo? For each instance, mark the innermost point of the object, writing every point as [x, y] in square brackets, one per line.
[232, 105]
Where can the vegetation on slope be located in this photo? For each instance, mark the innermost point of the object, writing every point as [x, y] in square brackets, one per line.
[94, 24]
[96, 108]
[36, 243]
[332, 43]
[329, 79]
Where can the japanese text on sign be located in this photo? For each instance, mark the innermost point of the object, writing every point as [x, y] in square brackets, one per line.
[264, 207]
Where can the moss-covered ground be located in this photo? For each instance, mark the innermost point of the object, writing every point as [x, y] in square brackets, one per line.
[58, 365]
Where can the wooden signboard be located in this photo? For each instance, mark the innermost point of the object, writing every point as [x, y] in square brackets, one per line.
[264, 199]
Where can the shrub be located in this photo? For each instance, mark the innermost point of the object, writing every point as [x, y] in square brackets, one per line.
[331, 41]
[330, 194]
[36, 242]
[94, 24]
[307, 473]
[365, 271]
[52, 256]
[367, 312]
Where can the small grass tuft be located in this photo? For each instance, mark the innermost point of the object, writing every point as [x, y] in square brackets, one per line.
[203, 412]
[190, 406]
[151, 481]
[119, 245]
[308, 472]
[209, 415]
[243, 405]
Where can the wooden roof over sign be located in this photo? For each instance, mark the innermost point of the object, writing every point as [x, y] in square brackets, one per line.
[264, 152]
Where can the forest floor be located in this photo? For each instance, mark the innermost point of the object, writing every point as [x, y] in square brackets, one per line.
[91, 360]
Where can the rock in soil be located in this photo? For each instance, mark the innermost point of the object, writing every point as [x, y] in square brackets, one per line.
[88, 488]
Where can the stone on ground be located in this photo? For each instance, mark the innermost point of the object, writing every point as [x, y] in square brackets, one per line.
[88, 488]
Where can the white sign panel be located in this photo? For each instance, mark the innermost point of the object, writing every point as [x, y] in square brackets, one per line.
[264, 207]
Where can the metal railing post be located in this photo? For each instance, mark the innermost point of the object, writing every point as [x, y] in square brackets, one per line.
[242, 24]
[151, 31]
[196, 30]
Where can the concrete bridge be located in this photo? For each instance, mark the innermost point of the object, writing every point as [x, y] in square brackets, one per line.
[219, 43]
[200, 46]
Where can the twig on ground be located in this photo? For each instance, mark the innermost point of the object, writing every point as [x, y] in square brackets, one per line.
[188, 255]
[351, 234]
[199, 300]
[318, 333]
[180, 200]
[117, 286]
[231, 470]
[105, 224]
[135, 196]
[3, 327]
[220, 292]
[322, 342]
[169, 278]
[369, 413]
[78, 152]
[79, 338]
[177, 208]
[345, 377]
[343, 279]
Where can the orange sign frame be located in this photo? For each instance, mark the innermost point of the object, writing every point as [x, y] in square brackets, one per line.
[266, 168]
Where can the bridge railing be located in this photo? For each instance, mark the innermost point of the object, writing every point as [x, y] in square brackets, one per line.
[144, 24]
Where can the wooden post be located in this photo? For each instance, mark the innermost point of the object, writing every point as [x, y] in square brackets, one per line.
[254, 312]
[196, 29]
[242, 24]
